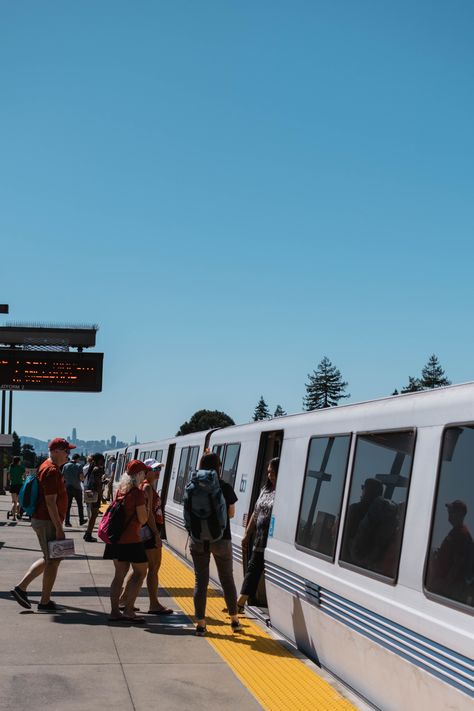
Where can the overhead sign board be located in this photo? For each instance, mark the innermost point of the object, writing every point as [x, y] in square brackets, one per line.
[6, 440]
[50, 370]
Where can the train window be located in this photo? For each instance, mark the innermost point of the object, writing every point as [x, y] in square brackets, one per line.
[229, 465]
[450, 569]
[187, 462]
[158, 455]
[119, 467]
[320, 507]
[378, 495]
[218, 449]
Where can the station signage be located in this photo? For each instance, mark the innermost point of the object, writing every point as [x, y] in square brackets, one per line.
[50, 370]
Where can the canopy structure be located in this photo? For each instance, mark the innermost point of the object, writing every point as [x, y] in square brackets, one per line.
[48, 336]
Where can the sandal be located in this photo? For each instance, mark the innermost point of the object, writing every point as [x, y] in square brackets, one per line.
[134, 620]
[200, 631]
[163, 611]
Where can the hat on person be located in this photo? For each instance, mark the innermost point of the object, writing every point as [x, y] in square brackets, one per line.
[457, 505]
[76, 455]
[60, 443]
[153, 464]
[135, 466]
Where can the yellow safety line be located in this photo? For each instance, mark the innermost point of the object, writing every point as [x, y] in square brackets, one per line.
[276, 678]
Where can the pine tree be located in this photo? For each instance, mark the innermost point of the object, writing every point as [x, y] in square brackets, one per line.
[432, 375]
[414, 385]
[28, 455]
[325, 387]
[279, 411]
[261, 411]
[16, 445]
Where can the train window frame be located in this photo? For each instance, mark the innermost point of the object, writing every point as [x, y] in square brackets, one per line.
[435, 597]
[351, 566]
[184, 453]
[299, 546]
[227, 445]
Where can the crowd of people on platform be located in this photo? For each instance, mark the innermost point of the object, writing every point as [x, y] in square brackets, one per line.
[137, 553]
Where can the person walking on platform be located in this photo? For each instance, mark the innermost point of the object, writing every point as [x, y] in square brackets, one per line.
[72, 473]
[16, 474]
[259, 524]
[130, 549]
[222, 553]
[47, 522]
[93, 492]
[151, 537]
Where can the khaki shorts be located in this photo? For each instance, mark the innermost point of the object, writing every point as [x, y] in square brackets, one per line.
[45, 531]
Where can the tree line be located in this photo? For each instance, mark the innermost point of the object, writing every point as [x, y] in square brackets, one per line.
[326, 387]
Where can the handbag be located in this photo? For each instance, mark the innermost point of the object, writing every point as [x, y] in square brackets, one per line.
[90, 497]
[146, 533]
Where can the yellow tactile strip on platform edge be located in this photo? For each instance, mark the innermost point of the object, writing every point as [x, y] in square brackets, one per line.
[276, 678]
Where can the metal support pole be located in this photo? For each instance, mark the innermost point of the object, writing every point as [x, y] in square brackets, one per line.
[10, 413]
[3, 411]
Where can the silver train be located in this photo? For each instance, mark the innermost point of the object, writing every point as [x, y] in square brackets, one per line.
[369, 567]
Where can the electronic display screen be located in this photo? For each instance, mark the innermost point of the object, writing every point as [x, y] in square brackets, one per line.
[50, 370]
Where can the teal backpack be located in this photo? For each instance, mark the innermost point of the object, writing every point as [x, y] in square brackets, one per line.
[29, 493]
[204, 507]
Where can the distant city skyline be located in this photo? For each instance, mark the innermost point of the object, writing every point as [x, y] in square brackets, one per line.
[87, 446]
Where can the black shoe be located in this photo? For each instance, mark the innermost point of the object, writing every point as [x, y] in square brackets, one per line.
[81, 523]
[69, 525]
[90, 539]
[21, 597]
[48, 607]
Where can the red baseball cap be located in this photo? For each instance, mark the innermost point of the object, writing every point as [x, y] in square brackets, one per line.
[60, 443]
[135, 466]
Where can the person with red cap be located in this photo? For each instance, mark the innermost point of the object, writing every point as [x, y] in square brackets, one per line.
[129, 550]
[47, 522]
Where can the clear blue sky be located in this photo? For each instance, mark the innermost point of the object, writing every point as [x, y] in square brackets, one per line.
[233, 190]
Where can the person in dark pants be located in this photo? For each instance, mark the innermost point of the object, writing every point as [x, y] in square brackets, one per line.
[72, 473]
[259, 524]
[93, 485]
[222, 553]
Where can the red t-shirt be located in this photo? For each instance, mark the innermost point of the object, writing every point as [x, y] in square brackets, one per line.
[135, 497]
[50, 482]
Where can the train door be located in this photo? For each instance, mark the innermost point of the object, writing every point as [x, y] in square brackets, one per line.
[270, 447]
[166, 483]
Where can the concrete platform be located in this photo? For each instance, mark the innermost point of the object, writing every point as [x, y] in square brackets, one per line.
[75, 660]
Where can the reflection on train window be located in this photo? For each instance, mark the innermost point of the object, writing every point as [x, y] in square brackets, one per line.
[229, 465]
[320, 508]
[377, 502]
[119, 467]
[450, 569]
[218, 449]
[187, 462]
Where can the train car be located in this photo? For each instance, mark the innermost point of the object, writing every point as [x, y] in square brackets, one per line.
[375, 581]
[369, 568]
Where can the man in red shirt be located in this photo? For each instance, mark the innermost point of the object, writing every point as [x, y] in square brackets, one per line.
[47, 522]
